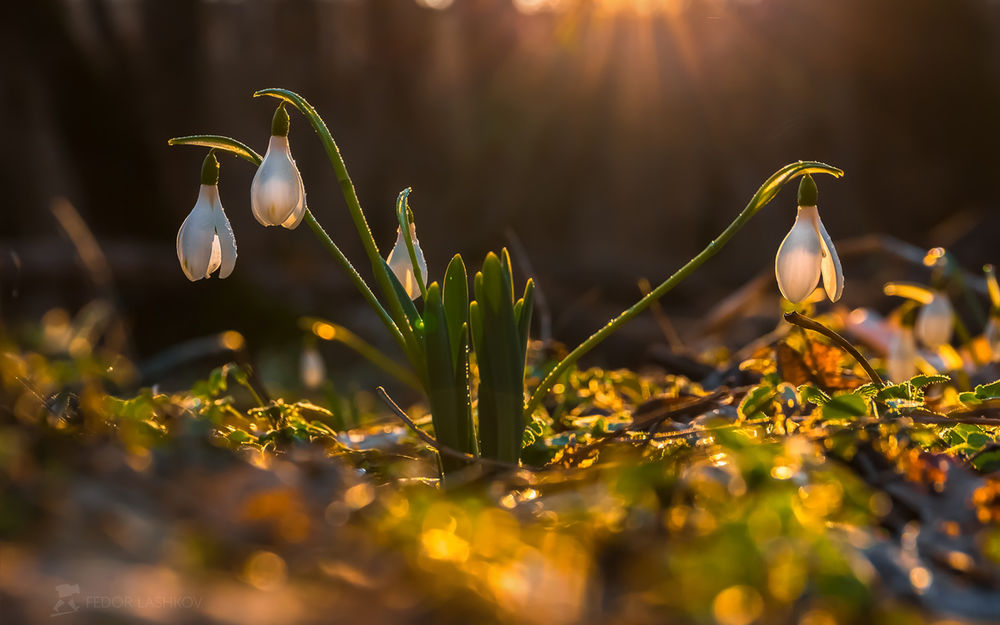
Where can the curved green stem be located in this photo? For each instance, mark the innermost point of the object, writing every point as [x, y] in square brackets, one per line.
[233, 146]
[764, 194]
[357, 215]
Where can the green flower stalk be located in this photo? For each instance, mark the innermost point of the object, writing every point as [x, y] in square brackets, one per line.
[764, 194]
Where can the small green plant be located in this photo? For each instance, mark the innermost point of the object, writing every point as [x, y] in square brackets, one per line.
[485, 417]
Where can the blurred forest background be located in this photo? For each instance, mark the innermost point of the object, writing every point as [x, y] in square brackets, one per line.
[614, 137]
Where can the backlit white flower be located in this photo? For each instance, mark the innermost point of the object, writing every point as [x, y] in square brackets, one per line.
[807, 253]
[901, 362]
[935, 321]
[277, 195]
[992, 336]
[205, 240]
[399, 262]
[311, 368]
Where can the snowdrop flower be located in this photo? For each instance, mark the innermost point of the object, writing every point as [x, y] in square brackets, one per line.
[311, 368]
[934, 321]
[992, 336]
[901, 362]
[992, 331]
[277, 196]
[399, 262]
[205, 240]
[807, 252]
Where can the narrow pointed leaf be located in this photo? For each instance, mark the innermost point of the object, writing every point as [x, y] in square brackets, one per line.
[500, 355]
[455, 294]
[449, 399]
[524, 318]
[508, 273]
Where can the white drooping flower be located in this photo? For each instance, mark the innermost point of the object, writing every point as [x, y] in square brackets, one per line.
[935, 321]
[205, 240]
[311, 368]
[992, 336]
[901, 361]
[807, 253]
[399, 262]
[277, 195]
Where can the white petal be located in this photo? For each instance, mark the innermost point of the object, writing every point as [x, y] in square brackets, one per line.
[296, 217]
[225, 239]
[196, 234]
[833, 275]
[797, 264]
[215, 260]
[277, 190]
[901, 363]
[935, 322]
[227, 244]
[399, 262]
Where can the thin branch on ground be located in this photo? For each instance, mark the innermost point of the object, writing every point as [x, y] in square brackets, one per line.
[439, 447]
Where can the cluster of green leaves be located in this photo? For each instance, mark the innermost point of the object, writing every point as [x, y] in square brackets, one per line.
[499, 332]
[776, 399]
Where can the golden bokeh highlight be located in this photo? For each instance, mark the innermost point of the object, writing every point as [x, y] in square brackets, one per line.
[737, 605]
[265, 570]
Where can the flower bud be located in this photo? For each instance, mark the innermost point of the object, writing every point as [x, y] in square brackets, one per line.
[807, 252]
[399, 262]
[205, 240]
[797, 264]
[277, 195]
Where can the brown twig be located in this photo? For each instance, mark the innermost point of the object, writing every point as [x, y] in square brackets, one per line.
[662, 320]
[440, 448]
[662, 436]
[954, 418]
[802, 321]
